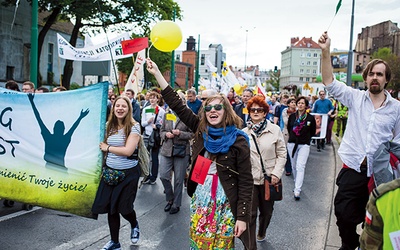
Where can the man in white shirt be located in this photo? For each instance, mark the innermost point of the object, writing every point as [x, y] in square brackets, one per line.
[374, 118]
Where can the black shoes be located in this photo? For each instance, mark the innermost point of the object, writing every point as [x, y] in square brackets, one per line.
[168, 207]
[174, 210]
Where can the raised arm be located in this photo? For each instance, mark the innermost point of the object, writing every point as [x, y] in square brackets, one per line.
[153, 69]
[43, 127]
[327, 71]
[81, 116]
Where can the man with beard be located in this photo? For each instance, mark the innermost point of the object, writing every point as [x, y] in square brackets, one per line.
[374, 118]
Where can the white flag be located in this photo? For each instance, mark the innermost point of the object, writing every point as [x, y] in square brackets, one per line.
[95, 53]
[136, 78]
[210, 66]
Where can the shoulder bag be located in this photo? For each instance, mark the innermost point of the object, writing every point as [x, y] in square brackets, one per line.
[142, 155]
[155, 137]
[178, 150]
[272, 192]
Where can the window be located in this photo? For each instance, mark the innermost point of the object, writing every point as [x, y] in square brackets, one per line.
[308, 71]
[314, 71]
[308, 54]
[10, 73]
[302, 54]
[314, 63]
[178, 58]
[301, 79]
[315, 55]
[50, 57]
[308, 63]
[302, 63]
[301, 71]
[202, 59]
[307, 79]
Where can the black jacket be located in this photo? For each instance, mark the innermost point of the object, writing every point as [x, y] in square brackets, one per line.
[306, 132]
[239, 111]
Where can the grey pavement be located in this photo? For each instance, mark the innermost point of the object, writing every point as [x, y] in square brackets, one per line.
[307, 224]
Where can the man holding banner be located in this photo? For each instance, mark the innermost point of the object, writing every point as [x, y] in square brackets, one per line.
[365, 133]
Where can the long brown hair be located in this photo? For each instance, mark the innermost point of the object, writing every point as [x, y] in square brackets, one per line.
[128, 121]
[230, 117]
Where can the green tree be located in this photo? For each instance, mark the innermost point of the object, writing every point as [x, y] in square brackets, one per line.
[273, 79]
[162, 59]
[110, 15]
[394, 63]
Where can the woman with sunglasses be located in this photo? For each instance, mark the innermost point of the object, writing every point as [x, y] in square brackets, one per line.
[271, 146]
[301, 127]
[221, 201]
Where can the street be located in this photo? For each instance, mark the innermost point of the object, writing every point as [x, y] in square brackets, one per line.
[295, 225]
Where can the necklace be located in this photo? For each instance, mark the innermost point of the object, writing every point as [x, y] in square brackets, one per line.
[383, 102]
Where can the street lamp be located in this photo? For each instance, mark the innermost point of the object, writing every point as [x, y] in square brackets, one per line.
[245, 52]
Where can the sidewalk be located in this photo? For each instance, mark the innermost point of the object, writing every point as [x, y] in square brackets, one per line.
[333, 240]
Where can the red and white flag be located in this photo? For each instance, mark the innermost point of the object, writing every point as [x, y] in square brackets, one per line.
[134, 45]
[260, 88]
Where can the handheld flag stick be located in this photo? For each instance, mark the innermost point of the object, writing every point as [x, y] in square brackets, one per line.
[148, 51]
[337, 9]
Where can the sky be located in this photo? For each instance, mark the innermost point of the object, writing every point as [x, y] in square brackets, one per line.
[271, 24]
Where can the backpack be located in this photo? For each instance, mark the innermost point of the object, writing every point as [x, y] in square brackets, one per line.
[144, 158]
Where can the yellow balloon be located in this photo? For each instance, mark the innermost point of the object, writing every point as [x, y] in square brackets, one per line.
[166, 36]
[237, 88]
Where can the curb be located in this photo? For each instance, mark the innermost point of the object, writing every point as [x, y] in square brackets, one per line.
[333, 240]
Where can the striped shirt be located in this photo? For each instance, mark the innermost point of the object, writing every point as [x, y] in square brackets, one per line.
[118, 140]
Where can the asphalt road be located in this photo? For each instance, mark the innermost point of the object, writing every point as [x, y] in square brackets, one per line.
[302, 225]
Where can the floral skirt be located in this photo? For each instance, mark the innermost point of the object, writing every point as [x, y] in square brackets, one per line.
[211, 220]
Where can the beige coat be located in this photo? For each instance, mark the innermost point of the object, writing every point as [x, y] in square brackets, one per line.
[273, 151]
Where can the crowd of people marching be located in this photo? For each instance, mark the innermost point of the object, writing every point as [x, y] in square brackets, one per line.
[226, 148]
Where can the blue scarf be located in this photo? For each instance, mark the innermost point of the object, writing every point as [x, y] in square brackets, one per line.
[224, 141]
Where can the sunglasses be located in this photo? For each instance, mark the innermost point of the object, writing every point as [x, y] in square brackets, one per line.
[217, 107]
[204, 98]
[259, 110]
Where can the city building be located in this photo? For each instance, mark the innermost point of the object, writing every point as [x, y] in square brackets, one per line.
[300, 62]
[381, 35]
[371, 39]
[185, 66]
[15, 33]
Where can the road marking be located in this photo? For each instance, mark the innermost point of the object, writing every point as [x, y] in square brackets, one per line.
[16, 214]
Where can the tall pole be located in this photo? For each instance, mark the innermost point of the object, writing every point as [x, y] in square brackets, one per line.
[245, 53]
[197, 76]
[172, 76]
[350, 56]
[34, 44]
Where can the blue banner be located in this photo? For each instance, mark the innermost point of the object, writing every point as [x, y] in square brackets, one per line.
[49, 147]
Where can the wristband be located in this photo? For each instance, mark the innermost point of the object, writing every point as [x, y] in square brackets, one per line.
[108, 148]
